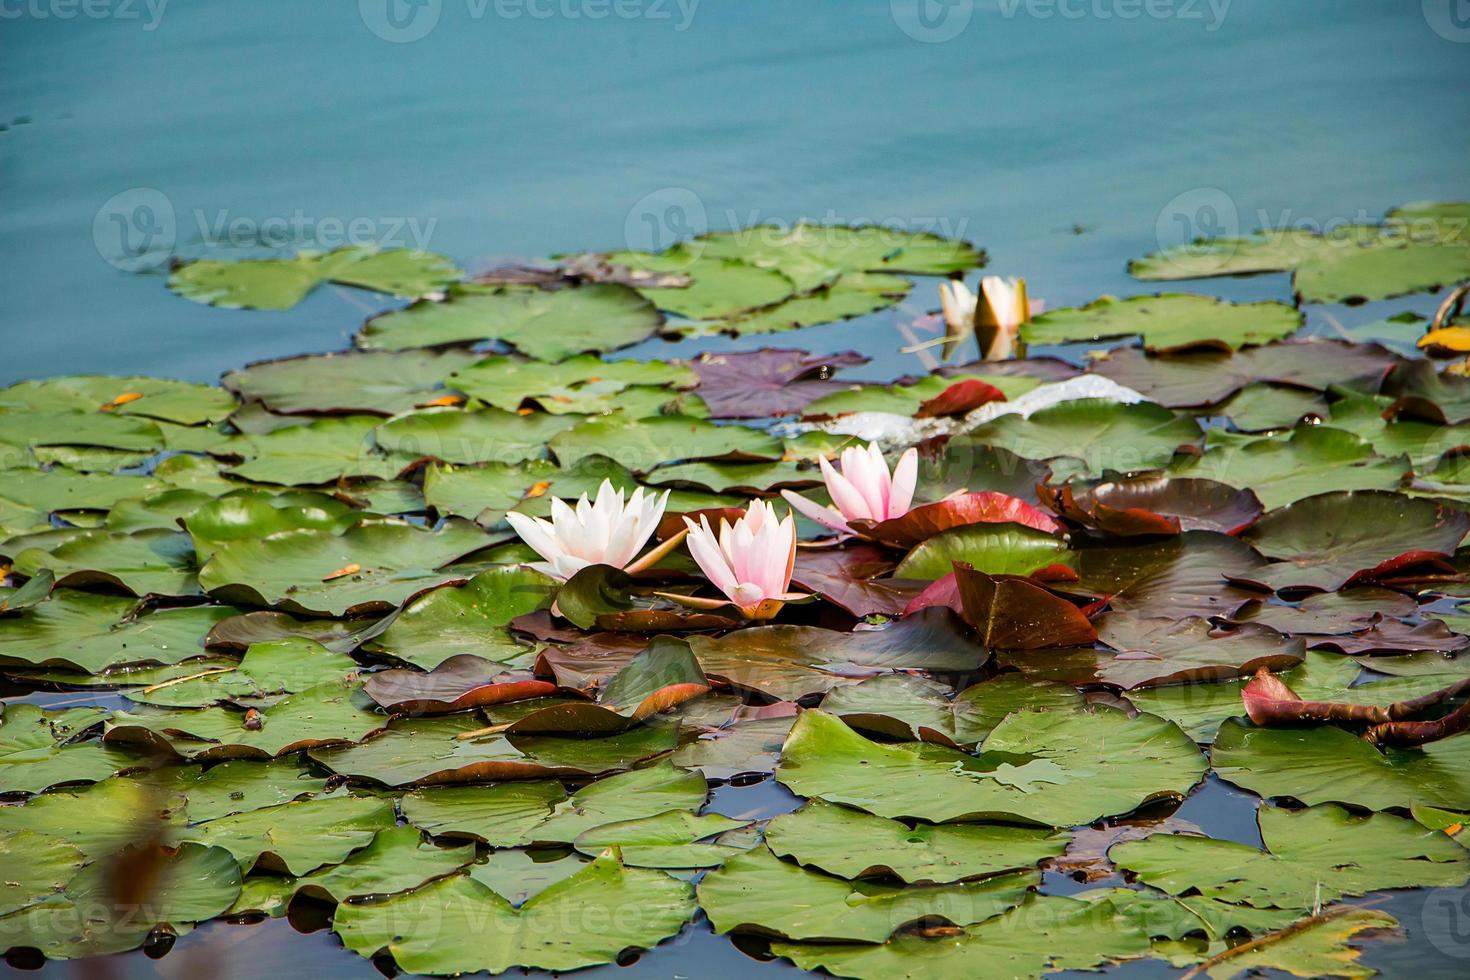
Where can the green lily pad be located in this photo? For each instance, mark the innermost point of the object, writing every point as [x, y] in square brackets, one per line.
[549, 325]
[1044, 935]
[853, 294]
[642, 444]
[584, 385]
[1308, 461]
[268, 671]
[397, 860]
[811, 255]
[1045, 767]
[239, 786]
[327, 714]
[91, 632]
[34, 755]
[905, 399]
[62, 489]
[298, 837]
[1104, 435]
[374, 382]
[324, 451]
[1353, 263]
[371, 566]
[516, 814]
[996, 549]
[422, 929]
[466, 619]
[21, 427]
[87, 918]
[1319, 949]
[1170, 321]
[146, 563]
[821, 835]
[1311, 857]
[163, 399]
[72, 814]
[1324, 764]
[279, 284]
[758, 892]
[490, 435]
[37, 866]
[426, 752]
[668, 840]
[719, 289]
[255, 513]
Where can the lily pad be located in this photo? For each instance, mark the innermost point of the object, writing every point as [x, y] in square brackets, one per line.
[996, 549]
[1104, 435]
[669, 840]
[1170, 321]
[279, 284]
[371, 566]
[719, 288]
[642, 444]
[1033, 769]
[34, 755]
[473, 618]
[1324, 764]
[584, 385]
[93, 916]
[549, 325]
[324, 451]
[378, 383]
[758, 892]
[298, 837]
[181, 402]
[821, 835]
[767, 382]
[90, 632]
[452, 435]
[1311, 857]
[146, 563]
[422, 930]
[37, 866]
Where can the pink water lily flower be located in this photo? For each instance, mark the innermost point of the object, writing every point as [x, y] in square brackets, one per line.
[750, 561]
[605, 532]
[864, 491]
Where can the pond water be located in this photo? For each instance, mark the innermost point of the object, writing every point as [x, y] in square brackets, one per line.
[1061, 137]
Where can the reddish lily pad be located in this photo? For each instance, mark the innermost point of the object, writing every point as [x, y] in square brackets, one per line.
[927, 520]
[848, 577]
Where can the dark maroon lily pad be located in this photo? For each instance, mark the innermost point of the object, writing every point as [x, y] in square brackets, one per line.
[1356, 621]
[1156, 505]
[1011, 612]
[1174, 577]
[789, 662]
[983, 507]
[767, 382]
[459, 683]
[661, 676]
[848, 577]
[1188, 380]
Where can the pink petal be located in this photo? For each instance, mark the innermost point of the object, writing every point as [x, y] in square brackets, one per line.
[905, 479]
[847, 498]
[825, 516]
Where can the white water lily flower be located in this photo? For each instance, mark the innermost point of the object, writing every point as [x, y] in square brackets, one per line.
[605, 532]
[864, 490]
[1000, 310]
[750, 561]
